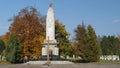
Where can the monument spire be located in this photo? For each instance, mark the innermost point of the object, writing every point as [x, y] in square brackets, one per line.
[50, 4]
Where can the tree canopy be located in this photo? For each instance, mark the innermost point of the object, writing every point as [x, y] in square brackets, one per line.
[62, 36]
[80, 38]
[110, 45]
[91, 52]
[13, 49]
[86, 45]
[29, 26]
[2, 46]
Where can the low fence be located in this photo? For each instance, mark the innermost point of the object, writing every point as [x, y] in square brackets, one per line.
[110, 57]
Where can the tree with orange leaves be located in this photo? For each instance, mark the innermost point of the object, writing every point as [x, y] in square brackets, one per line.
[28, 25]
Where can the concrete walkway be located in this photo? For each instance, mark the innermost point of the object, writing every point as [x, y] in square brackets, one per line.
[51, 62]
[79, 65]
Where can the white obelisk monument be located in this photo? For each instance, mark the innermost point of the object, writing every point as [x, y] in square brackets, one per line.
[50, 37]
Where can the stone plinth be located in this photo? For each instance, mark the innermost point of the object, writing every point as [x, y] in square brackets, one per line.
[53, 50]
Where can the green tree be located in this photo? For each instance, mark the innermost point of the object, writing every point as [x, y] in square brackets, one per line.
[80, 39]
[99, 39]
[62, 36]
[86, 43]
[2, 46]
[110, 45]
[13, 49]
[91, 50]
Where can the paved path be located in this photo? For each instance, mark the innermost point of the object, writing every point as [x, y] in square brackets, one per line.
[80, 65]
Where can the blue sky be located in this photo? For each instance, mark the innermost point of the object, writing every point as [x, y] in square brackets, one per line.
[103, 15]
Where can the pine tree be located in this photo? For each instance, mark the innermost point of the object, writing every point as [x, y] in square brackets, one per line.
[13, 49]
[92, 49]
[80, 39]
[110, 45]
[2, 46]
[86, 45]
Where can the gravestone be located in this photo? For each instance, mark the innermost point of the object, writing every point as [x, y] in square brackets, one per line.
[67, 57]
[74, 57]
[3, 58]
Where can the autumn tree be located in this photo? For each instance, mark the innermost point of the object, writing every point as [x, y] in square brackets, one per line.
[4, 39]
[62, 36]
[28, 25]
[118, 36]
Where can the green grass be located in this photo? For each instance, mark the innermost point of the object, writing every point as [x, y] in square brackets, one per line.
[100, 61]
[109, 61]
[4, 62]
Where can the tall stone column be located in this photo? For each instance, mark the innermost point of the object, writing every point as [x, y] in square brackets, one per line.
[50, 32]
[50, 24]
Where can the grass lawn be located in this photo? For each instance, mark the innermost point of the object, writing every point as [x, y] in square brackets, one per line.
[4, 62]
[109, 61]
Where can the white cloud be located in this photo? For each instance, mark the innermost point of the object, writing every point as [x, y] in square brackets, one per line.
[116, 21]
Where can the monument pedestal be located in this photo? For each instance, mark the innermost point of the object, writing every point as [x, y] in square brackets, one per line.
[53, 50]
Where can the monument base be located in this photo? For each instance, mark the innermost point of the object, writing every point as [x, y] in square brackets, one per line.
[53, 57]
[53, 50]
